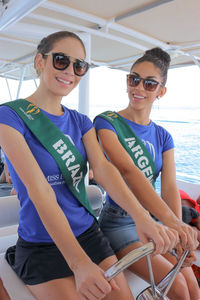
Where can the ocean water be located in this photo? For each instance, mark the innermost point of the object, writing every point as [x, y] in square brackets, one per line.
[184, 125]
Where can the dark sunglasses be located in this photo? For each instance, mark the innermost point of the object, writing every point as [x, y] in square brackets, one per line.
[62, 62]
[149, 85]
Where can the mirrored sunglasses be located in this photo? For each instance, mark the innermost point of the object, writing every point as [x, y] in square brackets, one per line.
[149, 85]
[62, 62]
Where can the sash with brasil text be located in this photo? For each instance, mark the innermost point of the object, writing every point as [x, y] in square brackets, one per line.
[70, 162]
[132, 144]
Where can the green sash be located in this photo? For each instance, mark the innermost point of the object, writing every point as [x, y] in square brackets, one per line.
[70, 162]
[132, 144]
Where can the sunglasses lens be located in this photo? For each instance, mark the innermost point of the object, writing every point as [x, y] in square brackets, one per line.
[80, 67]
[133, 80]
[60, 61]
[150, 85]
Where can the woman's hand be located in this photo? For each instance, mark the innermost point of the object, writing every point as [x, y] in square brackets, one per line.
[188, 235]
[91, 283]
[164, 237]
[190, 258]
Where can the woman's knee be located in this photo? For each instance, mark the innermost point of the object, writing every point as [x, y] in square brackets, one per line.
[193, 287]
[194, 291]
[179, 289]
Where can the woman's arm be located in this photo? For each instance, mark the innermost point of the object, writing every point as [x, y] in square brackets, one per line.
[109, 177]
[134, 178]
[169, 189]
[40, 192]
[53, 218]
[142, 188]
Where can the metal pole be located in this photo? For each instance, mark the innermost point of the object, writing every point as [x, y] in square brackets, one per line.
[35, 83]
[151, 276]
[20, 81]
[8, 87]
[176, 270]
[83, 105]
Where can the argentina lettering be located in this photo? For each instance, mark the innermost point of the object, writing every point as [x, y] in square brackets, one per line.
[142, 160]
[133, 145]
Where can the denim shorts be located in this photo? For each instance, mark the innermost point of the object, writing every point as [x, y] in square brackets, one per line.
[36, 263]
[118, 226]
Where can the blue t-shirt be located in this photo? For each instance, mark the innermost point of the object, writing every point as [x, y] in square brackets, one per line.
[156, 139]
[74, 125]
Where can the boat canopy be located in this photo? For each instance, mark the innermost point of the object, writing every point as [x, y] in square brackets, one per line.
[115, 33]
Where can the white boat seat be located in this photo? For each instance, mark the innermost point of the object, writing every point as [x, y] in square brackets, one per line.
[5, 189]
[9, 209]
[192, 189]
[8, 237]
[96, 198]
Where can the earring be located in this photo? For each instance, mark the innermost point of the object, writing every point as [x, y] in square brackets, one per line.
[38, 71]
[158, 98]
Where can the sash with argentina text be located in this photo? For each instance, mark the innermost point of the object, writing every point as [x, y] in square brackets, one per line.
[132, 144]
[70, 162]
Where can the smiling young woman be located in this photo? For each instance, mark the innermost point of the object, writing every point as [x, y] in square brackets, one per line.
[141, 149]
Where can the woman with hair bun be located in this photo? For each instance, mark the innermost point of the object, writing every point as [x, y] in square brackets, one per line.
[141, 149]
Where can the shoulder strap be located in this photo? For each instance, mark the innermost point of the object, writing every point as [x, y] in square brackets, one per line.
[132, 144]
[70, 162]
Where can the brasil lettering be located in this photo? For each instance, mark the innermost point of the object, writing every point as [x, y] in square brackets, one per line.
[142, 160]
[69, 158]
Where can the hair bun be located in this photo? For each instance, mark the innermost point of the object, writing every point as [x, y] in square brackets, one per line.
[159, 54]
